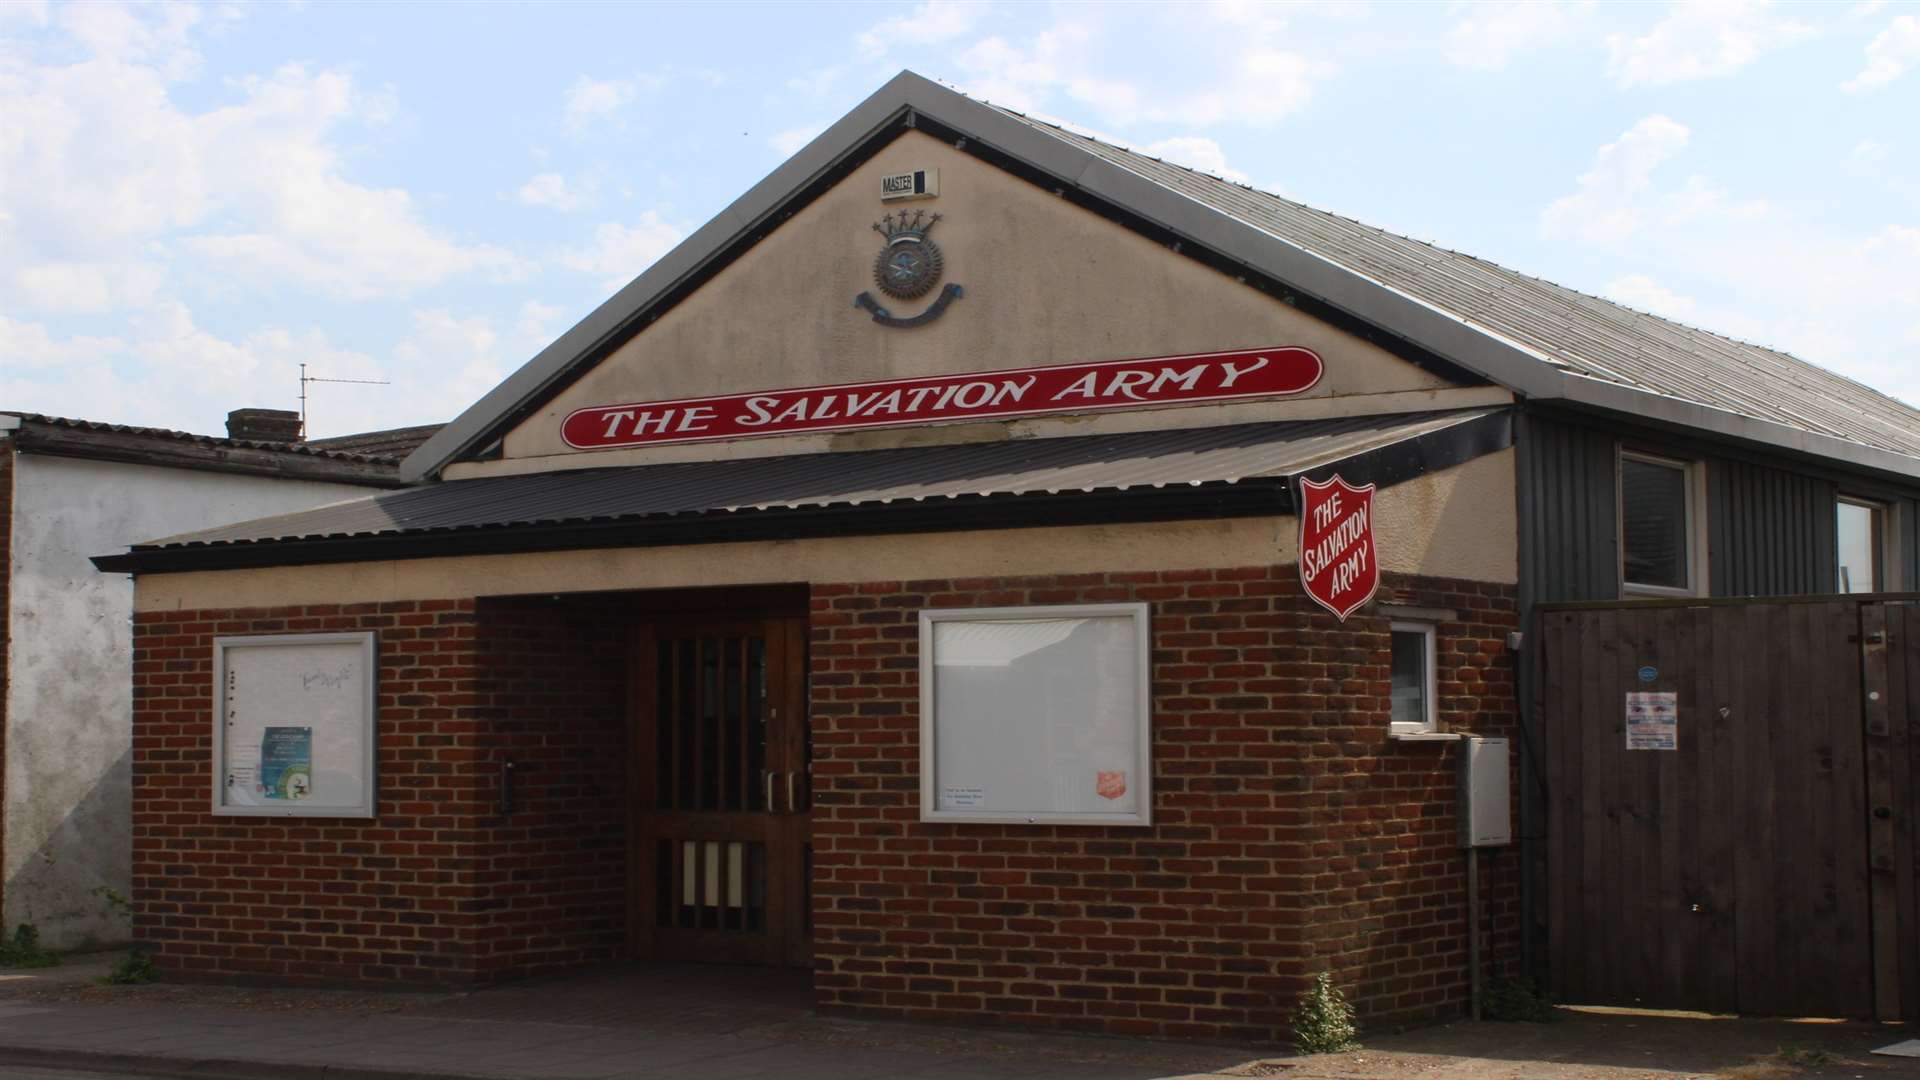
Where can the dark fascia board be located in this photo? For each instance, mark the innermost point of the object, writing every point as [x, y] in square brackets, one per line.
[1645, 407]
[135, 448]
[1254, 496]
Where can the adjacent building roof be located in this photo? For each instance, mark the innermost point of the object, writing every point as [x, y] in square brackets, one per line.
[1543, 342]
[68, 437]
[1193, 472]
[392, 444]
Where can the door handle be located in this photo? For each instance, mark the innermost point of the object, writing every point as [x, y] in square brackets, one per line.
[792, 807]
[769, 791]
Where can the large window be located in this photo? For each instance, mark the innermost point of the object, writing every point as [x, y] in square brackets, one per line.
[1658, 553]
[1036, 715]
[1861, 529]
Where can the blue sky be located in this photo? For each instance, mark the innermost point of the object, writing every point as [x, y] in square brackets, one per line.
[195, 199]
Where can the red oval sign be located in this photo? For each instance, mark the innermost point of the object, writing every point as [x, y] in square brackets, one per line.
[1112, 384]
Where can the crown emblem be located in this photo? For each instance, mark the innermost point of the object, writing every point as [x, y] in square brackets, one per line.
[909, 264]
[907, 228]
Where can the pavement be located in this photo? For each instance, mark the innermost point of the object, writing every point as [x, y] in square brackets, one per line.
[685, 1021]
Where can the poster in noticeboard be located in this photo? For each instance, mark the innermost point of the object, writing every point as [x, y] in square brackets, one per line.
[1036, 715]
[294, 725]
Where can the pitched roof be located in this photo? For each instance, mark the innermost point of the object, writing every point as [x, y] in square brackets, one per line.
[1208, 472]
[391, 444]
[1540, 340]
[71, 437]
[1582, 334]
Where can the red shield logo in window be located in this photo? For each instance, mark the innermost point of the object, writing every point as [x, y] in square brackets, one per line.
[1338, 563]
[1110, 785]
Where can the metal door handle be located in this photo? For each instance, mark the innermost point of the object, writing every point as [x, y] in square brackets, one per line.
[792, 807]
[769, 791]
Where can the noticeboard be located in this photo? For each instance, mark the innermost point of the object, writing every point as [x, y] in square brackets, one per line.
[1036, 715]
[294, 725]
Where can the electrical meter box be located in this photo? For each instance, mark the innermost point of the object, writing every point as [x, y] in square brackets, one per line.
[1485, 818]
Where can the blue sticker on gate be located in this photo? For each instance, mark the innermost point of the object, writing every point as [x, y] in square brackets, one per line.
[1648, 674]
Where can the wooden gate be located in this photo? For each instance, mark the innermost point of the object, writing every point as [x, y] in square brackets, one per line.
[1764, 864]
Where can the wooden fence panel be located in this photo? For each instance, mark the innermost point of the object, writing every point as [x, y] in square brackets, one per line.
[1730, 873]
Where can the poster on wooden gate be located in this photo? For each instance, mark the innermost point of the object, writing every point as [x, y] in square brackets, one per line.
[1653, 720]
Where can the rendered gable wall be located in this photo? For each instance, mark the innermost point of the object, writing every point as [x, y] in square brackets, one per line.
[1046, 283]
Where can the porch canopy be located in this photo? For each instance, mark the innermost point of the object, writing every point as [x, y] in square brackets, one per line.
[1232, 471]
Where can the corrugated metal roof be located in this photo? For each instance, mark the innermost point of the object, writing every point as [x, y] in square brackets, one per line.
[1578, 333]
[1195, 456]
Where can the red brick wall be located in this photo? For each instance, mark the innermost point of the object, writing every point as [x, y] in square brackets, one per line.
[1290, 837]
[315, 900]
[551, 876]
[441, 888]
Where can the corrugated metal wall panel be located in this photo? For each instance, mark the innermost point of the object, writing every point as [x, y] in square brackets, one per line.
[1569, 545]
[1770, 532]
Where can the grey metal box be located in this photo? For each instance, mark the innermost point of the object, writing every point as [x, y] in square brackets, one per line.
[1485, 817]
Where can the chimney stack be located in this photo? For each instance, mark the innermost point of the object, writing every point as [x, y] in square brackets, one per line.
[264, 425]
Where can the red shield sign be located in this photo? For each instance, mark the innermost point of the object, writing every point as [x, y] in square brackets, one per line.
[1110, 785]
[1338, 562]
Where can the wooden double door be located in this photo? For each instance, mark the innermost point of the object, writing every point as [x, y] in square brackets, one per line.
[721, 843]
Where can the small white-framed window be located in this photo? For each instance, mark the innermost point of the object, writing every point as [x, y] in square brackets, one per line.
[1415, 680]
[1866, 547]
[1661, 553]
[1036, 715]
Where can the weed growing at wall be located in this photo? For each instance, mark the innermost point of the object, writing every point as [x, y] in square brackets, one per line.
[136, 968]
[1509, 999]
[23, 949]
[1323, 1023]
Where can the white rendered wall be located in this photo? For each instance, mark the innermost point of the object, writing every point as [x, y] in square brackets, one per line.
[68, 803]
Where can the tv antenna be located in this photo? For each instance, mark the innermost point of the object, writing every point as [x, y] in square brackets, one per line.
[306, 378]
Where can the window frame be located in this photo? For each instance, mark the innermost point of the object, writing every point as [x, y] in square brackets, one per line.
[1693, 527]
[1141, 616]
[1884, 542]
[1430, 675]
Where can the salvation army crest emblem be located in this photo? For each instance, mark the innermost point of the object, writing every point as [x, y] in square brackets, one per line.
[1110, 785]
[1339, 565]
[908, 266]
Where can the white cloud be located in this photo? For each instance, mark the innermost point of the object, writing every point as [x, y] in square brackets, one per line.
[1869, 152]
[1700, 39]
[931, 23]
[1196, 152]
[1490, 35]
[787, 143]
[620, 252]
[1255, 81]
[112, 189]
[1642, 292]
[555, 192]
[1700, 199]
[1609, 201]
[590, 100]
[1889, 55]
[24, 13]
